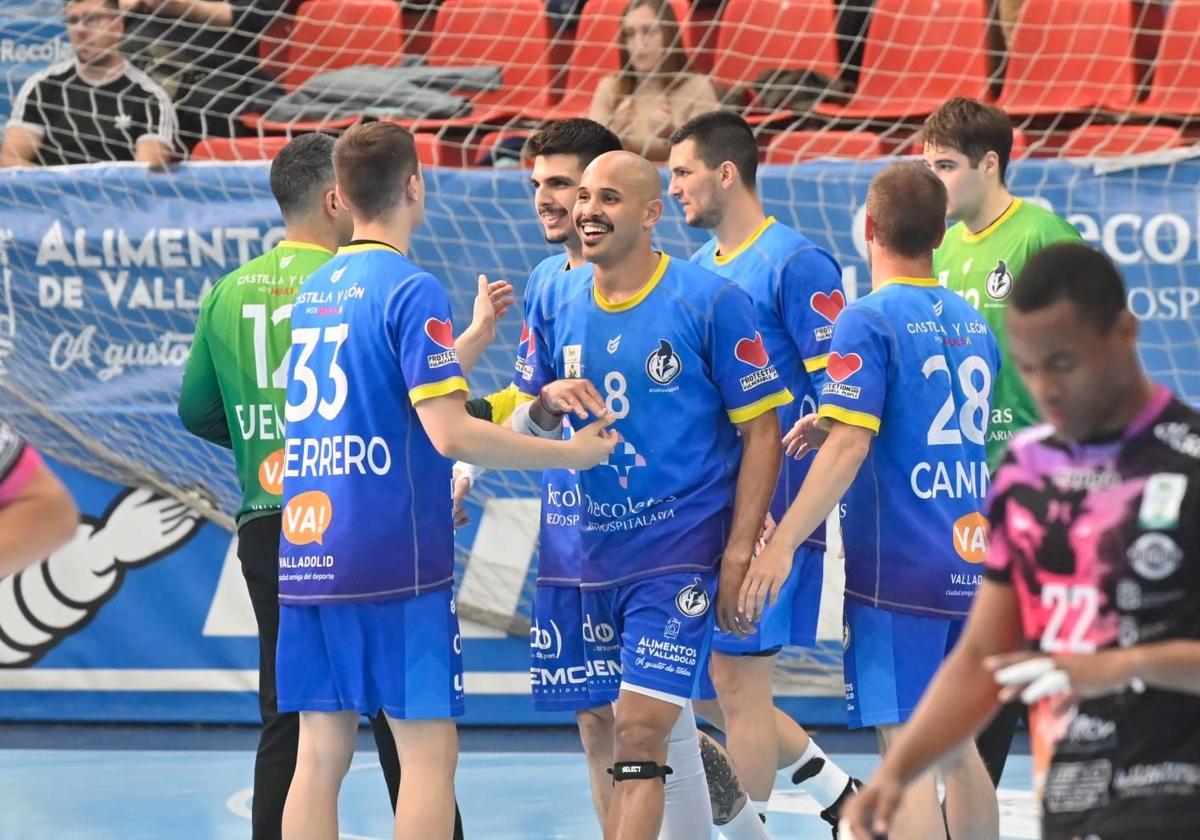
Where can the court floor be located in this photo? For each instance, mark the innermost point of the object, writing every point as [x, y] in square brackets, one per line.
[90, 783]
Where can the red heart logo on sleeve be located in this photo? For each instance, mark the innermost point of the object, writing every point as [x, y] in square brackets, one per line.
[840, 367]
[752, 352]
[441, 332]
[828, 306]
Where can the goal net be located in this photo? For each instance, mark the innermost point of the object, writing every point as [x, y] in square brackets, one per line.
[103, 266]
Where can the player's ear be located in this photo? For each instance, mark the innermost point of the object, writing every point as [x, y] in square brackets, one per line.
[412, 187]
[1126, 328]
[339, 198]
[729, 174]
[938, 241]
[654, 211]
[869, 230]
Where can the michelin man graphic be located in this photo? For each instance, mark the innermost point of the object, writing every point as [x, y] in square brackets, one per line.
[43, 604]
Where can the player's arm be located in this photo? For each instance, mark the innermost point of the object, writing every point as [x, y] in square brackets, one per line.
[201, 406]
[37, 514]
[458, 436]
[757, 476]
[492, 301]
[958, 702]
[811, 295]
[155, 147]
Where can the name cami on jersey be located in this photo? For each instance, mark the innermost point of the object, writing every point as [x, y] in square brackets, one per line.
[362, 521]
[916, 364]
[797, 292]
[551, 282]
[236, 378]
[677, 364]
[1101, 543]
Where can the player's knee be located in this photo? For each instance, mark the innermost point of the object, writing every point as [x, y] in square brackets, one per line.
[595, 729]
[633, 771]
[640, 737]
[327, 764]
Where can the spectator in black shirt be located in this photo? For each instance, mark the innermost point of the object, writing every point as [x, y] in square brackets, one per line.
[205, 53]
[98, 107]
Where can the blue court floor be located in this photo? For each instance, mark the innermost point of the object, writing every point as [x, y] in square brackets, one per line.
[85, 783]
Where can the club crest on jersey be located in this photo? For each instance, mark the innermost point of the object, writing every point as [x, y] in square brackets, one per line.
[1155, 556]
[692, 600]
[624, 459]
[441, 333]
[663, 364]
[999, 282]
[754, 353]
[828, 306]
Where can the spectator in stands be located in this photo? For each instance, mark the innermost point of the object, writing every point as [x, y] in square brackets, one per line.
[37, 514]
[205, 53]
[97, 107]
[653, 93]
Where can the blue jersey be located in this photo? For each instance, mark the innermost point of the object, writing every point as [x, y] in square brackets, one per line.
[550, 282]
[798, 294]
[915, 363]
[362, 521]
[678, 364]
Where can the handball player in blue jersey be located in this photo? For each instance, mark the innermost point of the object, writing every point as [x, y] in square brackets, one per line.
[670, 352]
[375, 408]
[901, 431]
[797, 292]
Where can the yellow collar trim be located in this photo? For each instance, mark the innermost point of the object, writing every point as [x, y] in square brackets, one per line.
[722, 259]
[302, 246]
[368, 246]
[926, 282]
[642, 294]
[990, 229]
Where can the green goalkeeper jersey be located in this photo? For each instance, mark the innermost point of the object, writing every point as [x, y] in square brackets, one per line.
[235, 382]
[981, 267]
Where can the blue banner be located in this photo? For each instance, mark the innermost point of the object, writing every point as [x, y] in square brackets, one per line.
[144, 616]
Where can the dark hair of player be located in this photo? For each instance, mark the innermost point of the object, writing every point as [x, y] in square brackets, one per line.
[584, 138]
[674, 61]
[1076, 273]
[722, 136]
[971, 128]
[907, 204]
[373, 162]
[301, 171]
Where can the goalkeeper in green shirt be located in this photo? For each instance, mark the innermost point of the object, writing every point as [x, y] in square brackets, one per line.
[967, 144]
[233, 395]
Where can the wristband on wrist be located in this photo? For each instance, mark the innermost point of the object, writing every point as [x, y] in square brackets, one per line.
[546, 408]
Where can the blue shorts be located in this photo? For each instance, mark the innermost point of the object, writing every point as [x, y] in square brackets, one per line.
[653, 633]
[791, 620]
[403, 656]
[890, 658]
[558, 667]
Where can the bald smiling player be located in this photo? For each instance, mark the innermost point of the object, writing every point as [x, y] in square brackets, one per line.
[661, 345]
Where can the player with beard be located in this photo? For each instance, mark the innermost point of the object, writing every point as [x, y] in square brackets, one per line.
[1090, 606]
[797, 292]
[667, 513]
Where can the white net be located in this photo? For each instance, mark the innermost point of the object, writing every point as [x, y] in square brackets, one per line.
[103, 268]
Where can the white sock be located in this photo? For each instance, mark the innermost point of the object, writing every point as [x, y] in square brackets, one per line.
[745, 825]
[828, 784]
[688, 811]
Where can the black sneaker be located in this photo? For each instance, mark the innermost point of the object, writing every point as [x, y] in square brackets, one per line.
[833, 813]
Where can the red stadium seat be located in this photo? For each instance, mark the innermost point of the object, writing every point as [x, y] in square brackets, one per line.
[1176, 85]
[1070, 55]
[797, 146]
[239, 148]
[595, 54]
[1114, 140]
[332, 34]
[759, 35]
[918, 54]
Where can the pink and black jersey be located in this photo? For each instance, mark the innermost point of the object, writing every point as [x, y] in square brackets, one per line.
[1102, 544]
[18, 461]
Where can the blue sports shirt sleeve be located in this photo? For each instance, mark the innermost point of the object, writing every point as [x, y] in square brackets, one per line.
[742, 369]
[811, 297]
[860, 354]
[422, 337]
